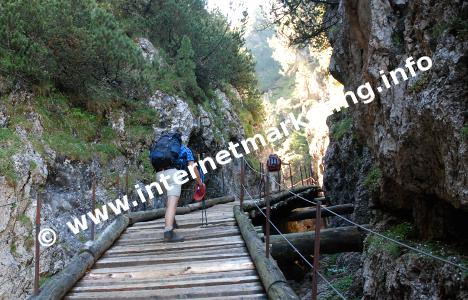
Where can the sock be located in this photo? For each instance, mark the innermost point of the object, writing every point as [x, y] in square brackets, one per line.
[167, 229]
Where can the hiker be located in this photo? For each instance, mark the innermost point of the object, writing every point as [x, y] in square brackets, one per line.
[168, 155]
[274, 171]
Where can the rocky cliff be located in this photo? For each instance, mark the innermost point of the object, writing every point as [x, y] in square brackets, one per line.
[52, 150]
[403, 157]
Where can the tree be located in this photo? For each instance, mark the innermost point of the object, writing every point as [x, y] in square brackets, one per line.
[305, 22]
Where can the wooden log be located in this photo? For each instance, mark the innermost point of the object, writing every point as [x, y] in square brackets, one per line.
[107, 237]
[304, 191]
[273, 280]
[142, 216]
[58, 286]
[332, 240]
[310, 212]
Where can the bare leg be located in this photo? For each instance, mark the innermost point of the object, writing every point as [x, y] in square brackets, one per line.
[171, 211]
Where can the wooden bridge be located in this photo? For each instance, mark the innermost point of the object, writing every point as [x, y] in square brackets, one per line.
[226, 259]
[212, 263]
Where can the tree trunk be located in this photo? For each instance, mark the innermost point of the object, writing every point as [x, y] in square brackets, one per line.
[310, 213]
[332, 240]
[272, 278]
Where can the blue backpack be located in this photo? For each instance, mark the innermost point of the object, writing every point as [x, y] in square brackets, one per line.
[164, 153]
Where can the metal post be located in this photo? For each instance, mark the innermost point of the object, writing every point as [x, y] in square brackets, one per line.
[290, 175]
[222, 176]
[93, 207]
[279, 181]
[37, 246]
[318, 219]
[302, 177]
[311, 174]
[267, 220]
[117, 185]
[242, 175]
[262, 181]
[126, 182]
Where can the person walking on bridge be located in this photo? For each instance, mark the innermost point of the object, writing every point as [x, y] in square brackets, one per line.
[168, 155]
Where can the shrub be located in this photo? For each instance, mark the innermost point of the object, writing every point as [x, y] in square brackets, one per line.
[372, 180]
[341, 128]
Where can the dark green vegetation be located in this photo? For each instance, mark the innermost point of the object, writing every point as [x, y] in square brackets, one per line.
[341, 128]
[305, 22]
[372, 179]
[81, 61]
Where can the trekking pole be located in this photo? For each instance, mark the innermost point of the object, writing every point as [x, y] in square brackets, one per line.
[37, 246]
[318, 218]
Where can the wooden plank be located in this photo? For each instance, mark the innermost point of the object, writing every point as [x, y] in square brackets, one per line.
[211, 224]
[193, 250]
[160, 285]
[194, 244]
[174, 278]
[159, 237]
[194, 267]
[170, 258]
[175, 293]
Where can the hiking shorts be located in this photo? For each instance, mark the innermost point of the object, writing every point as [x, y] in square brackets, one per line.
[174, 188]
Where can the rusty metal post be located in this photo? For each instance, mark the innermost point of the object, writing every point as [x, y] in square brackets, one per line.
[279, 181]
[222, 176]
[262, 181]
[267, 219]
[37, 246]
[242, 179]
[93, 207]
[126, 182]
[117, 185]
[310, 176]
[318, 219]
[290, 175]
[302, 177]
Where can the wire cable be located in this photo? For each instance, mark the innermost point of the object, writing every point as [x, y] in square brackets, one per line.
[363, 227]
[294, 248]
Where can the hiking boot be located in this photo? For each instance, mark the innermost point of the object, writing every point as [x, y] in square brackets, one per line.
[172, 237]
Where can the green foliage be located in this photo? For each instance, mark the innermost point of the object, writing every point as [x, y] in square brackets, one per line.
[465, 132]
[305, 22]
[75, 44]
[29, 242]
[43, 279]
[10, 145]
[372, 180]
[341, 128]
[13, 248]
[457, 25]
[420, 84]
[24, 219]
[74, 132]
[377, 244]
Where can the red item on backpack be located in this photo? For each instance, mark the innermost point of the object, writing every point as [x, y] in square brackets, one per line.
[200, 191]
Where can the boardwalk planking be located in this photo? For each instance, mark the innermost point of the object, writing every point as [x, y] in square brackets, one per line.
[213, 263]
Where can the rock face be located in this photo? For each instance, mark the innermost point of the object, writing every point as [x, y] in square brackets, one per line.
[65, 184]
[412, 137]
